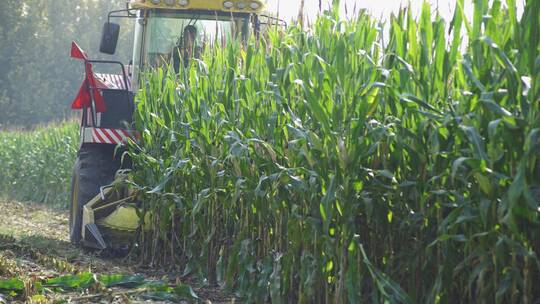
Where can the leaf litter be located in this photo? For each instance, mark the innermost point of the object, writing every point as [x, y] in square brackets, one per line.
[39, 265]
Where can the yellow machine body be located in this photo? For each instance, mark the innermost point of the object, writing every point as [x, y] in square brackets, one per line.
[232, 6]
[123, 218]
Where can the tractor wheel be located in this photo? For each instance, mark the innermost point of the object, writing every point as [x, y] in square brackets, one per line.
[95, 166]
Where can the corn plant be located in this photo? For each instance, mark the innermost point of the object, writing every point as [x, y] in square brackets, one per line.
[335, 164]
[36, 165]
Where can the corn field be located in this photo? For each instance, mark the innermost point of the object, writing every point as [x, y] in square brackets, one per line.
[339, 164]
[36, 165]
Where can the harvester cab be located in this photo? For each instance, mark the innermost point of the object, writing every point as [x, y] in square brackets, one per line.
[166, 32]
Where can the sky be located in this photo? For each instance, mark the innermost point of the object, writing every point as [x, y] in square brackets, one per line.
[289, 8]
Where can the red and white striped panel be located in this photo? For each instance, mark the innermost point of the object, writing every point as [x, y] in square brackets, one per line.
[111, 81]
[106, 136]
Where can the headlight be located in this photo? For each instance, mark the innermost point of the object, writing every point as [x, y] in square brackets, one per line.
[254, 5]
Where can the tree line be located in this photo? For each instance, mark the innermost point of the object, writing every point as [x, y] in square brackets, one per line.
[38, 79]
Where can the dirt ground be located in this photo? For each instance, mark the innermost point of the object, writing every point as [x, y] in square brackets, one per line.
[34, 245]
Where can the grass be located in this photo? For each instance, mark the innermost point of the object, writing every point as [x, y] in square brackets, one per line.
[36, 165]
[332, 165]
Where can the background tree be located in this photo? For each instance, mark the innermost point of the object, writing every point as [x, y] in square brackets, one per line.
[38, 79]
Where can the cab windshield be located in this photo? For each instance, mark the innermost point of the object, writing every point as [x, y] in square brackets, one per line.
[176, 37]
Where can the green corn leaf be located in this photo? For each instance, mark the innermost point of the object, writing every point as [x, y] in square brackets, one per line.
[77, 281]
[12, 284]
[476, 141]
[457, 164]
[185, 292]
[128, 281]
[390, 290]
[495, 108]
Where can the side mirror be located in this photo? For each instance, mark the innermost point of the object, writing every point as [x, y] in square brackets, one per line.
[109, 38]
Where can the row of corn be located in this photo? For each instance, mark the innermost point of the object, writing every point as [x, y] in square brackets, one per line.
[36, 165]
[352, 161]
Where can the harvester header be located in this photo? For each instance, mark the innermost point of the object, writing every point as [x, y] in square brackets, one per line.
[233, 6]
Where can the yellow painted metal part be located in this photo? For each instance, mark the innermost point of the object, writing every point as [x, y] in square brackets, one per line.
[123, 218]
[233, 6]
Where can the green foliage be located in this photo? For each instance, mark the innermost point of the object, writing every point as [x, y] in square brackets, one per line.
[129, 281]
[330, 166]
[144, 288]
[182, 292]
[37, 165]
[39, 79]
[11, 285]
[72, 281]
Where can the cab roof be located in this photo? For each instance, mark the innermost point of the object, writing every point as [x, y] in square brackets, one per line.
[229, 6]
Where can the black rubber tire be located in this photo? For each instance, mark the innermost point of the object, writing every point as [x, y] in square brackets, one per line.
[95, 166]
